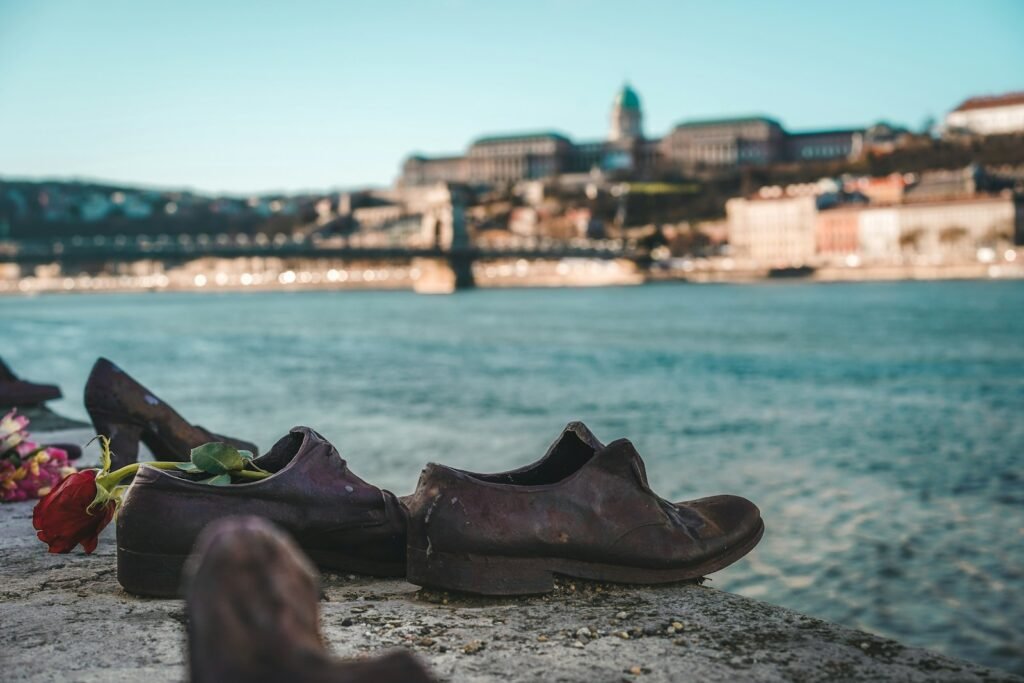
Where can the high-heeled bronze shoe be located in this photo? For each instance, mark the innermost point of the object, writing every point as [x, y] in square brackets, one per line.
[127, 412]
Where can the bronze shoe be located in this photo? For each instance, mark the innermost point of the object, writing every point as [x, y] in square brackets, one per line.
[339, 520]
[253, 614]
[127, 412]
[583, 510]
[17, 392]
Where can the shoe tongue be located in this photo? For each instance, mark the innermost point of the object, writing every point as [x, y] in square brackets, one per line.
[282, 453]
[310, 451]
[581, 432]
[574, 448]
[621, 456]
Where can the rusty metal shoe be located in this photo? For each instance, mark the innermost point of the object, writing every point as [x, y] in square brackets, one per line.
[127, 412]
[339, 520]
[583, 510]
[18, 392]
[253, 614]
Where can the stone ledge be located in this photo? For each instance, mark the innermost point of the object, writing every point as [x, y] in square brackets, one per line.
[49, 426]
[66, 618]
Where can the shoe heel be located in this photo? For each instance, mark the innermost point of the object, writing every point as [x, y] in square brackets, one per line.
[124, 440]
[479, 574]
[150, 574]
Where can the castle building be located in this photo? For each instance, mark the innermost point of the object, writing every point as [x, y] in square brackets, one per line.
[690, 146]
[750, 141]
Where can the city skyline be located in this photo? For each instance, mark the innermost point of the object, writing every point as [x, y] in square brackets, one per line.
[260, 100]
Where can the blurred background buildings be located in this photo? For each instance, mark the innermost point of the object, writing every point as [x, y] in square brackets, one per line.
[734, 197]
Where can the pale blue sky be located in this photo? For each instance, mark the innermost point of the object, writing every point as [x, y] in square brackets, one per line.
[240, 96]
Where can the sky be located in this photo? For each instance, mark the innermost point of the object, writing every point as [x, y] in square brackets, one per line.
[245, 96]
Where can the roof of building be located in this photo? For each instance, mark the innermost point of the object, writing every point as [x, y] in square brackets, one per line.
[830, 131]
[440, 158]
[516, 137]
[627, 98]
[736, 120]
[989, 101]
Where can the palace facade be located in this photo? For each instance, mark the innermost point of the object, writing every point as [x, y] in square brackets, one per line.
[689, 146]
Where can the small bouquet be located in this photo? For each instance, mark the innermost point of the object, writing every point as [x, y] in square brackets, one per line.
[28, 470]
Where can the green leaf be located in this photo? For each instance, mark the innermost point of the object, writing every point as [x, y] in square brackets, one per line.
[218, 480]
[246, 455]
[217, 458]
[188, 467]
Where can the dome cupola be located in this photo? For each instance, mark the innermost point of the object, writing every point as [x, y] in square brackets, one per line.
[627, 118]
[627, 98]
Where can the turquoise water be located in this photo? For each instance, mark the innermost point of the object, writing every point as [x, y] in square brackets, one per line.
[880, 427]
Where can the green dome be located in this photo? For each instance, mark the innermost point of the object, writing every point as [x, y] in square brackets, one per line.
[627, 98]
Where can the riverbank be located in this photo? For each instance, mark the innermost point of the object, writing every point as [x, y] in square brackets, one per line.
[75, 623]
[225, 276]
[706, 272]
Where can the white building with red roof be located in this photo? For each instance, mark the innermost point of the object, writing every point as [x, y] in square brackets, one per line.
[989, 115]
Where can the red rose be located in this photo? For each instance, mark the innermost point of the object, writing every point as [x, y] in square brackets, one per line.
[63, 518]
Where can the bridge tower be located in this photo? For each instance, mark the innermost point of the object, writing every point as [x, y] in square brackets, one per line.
[444, 220]
[444, 230]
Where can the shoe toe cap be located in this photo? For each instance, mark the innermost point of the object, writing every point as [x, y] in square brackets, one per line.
[733, 517]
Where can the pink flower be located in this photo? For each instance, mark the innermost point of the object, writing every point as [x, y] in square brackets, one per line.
[27, 470]
[12, 422]
[57, 453]
[26, 448]
[12, 430]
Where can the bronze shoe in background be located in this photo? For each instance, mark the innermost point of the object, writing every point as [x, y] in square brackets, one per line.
[339, 520]
[127, 412]
[253, 615]
[583, 510]
[17, 392]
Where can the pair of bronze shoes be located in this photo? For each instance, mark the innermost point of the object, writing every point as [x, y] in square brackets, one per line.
[584, 510]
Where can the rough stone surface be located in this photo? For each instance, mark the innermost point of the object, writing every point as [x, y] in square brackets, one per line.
[64, 617]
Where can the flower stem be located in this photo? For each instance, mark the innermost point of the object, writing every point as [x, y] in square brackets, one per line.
[249, 474]
[111, 479]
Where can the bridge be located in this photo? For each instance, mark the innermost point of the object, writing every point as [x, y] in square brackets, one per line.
[440, 247]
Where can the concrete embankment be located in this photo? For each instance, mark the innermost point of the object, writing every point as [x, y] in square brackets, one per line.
[967, 271]
[66, 618]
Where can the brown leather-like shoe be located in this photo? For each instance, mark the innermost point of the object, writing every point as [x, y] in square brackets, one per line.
[338, 519]
[127, 412]
[583, 510]
[253, 615]
[17, 392]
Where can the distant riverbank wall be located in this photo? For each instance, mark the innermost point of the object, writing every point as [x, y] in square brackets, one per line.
[281, 274]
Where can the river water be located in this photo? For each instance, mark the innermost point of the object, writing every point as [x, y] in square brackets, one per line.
[879, 426]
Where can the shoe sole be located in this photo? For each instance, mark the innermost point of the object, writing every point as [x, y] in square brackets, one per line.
[160, 576]
[496, 575]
